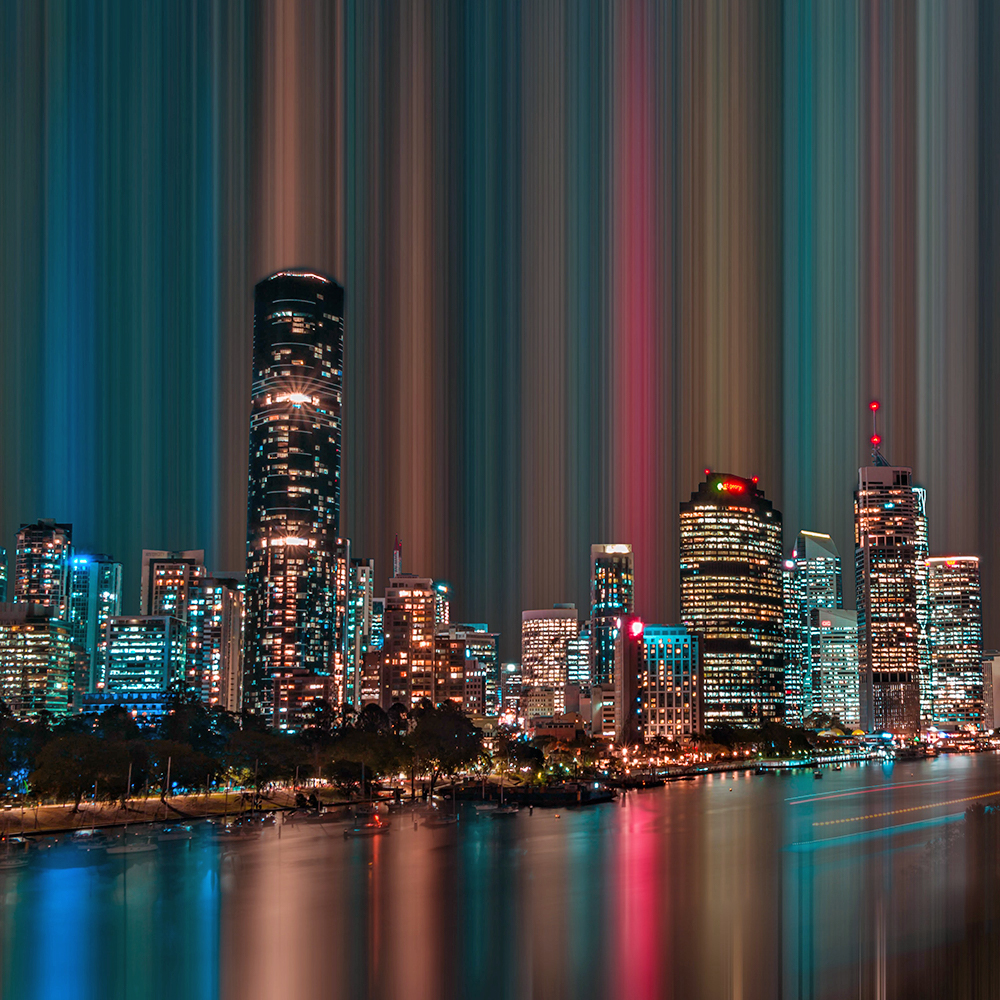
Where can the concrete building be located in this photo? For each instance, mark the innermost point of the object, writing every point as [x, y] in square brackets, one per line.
[545, 638]
[36, 660]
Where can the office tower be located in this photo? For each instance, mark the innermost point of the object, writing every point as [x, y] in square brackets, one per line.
[408, 641]
[378, 622]
[3, 575]
[885, 570]
[812, 579]
[955, 636]
[295, 696]
[545, 637]
[166, 581]
[483, 646]
[214, 666]
[831, 659]
[627, 678]
[460, 675]
[671, 690]
[442, 602]
[922, 553]
[42, 560]
[36, 660]
[146, 653]
[293, 504]
[731, 595]
[511, 687]
[95, 596]
[361, 595]
[612, 594]
[578, 658]
[991, 688]
[337, 669]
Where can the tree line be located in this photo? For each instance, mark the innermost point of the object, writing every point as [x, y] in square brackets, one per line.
[194, 748]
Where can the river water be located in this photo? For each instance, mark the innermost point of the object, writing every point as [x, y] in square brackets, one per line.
[869, 883]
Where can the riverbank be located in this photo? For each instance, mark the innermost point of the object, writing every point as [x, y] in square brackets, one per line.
[61, 818]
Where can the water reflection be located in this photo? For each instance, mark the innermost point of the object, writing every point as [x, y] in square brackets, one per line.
[873, 882]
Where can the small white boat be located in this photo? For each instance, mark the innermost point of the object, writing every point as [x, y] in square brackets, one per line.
[485, 807]
[511, 809]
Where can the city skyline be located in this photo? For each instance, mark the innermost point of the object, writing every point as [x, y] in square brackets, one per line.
[590, 279]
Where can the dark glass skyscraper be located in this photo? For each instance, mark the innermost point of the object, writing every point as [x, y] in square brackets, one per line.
[612, 594]
[731, 595]
[293, 510]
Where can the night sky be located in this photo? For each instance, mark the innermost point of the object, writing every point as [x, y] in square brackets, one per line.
[589, 248]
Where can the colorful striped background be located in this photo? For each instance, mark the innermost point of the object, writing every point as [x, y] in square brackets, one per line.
[589, 249]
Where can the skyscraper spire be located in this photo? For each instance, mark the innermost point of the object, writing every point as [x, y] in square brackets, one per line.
[878, 458]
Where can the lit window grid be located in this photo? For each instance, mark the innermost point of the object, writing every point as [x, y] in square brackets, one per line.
[731, 592]
[544, 661]
[670, 692]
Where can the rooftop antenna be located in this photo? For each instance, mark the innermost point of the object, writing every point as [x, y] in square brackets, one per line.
[876, 439]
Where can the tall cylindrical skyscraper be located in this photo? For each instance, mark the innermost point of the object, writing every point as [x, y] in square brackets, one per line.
[293, 509]
[731, 595]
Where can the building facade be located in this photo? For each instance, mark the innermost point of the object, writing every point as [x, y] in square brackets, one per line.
[42, 565]
[146, 653]
[545, 638]
[832, 662]
[293, 505]
[671, 690]
[812, 579]
[731, 595]
[360, 598]
[408, 640]
[955, 692]
[612, 594]
[95, 597]
[36, 660]
[885, 570]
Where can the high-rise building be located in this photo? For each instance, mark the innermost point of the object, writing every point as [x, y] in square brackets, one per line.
[3, 575]
[627, 680]
[293, 506]
[832, 662]
[95, 597]
[731, 595]
[459, 675]
[812, 579]
[167, 579]
[442, 602]
[612, 594]
[578, 658]
[42, 561]
[36, 660]
[215, 642]
[921, 547]
[511, 688]
[991, 688]
[378, 622]
[146, 652]
[545, 637]
[360, 599]
[408, 642]
[337, 669]
[483, 646]
[885, 569]
[671, 690]
[955, 636]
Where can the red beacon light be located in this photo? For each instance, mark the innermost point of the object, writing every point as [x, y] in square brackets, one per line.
[755, 480]
[876, 440]
[708, 472]
[873, 406]
[636, 629]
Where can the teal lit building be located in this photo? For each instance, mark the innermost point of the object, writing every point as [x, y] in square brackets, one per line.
[671, 683]
[95, 597]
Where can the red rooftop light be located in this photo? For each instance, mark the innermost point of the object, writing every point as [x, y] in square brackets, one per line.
[876, 440]
[873, 405]
[755, 480]
[708, 472]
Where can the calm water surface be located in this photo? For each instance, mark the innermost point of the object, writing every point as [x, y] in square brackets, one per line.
[869, 883]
